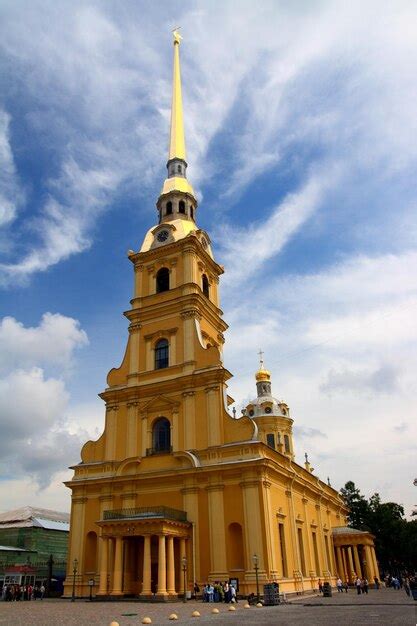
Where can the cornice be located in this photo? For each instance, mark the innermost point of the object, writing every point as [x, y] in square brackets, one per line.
[190, 242]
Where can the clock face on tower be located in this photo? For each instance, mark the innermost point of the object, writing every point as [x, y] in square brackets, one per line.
[162, 235]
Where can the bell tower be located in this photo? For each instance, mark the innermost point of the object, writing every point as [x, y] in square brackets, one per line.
[172, 368]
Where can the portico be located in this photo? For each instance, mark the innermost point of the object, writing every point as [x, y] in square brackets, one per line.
[355, 554]
[142, 551]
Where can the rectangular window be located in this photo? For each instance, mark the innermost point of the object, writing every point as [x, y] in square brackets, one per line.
[270, 440]
[287, 444]
[316, 554]
[301, 548]
[283, 551]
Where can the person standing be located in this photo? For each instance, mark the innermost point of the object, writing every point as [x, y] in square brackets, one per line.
[339, 585]
[42, 590]
[358, 584]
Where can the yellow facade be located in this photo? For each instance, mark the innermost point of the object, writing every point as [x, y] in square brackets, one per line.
[175, 481]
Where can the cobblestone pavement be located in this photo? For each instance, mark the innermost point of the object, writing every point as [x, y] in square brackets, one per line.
[385, 607]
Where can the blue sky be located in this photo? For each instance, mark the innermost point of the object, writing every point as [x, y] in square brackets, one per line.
[301, 136]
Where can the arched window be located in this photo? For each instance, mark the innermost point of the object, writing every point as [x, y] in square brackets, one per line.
[191, 212]
[161, 354]
[181, 206]
[287, 443]
[162, 280]
[205, 285]
[161, 435]
[169, 208]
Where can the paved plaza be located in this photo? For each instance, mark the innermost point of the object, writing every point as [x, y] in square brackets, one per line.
[383, 607]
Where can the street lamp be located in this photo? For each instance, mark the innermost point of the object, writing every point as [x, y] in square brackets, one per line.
[74, 573]
[256, 567]
[184, 570]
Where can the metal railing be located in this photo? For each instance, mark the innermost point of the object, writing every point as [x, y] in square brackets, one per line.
[158, 450]
[146, 512]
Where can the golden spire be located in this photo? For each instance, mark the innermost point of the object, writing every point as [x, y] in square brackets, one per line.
[177, 138]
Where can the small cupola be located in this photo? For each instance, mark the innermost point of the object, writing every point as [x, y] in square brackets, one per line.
[271, 415]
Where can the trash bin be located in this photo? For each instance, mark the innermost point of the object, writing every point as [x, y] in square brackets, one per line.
[327, 590]
[271, 594]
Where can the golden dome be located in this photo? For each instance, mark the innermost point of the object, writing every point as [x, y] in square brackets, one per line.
[262, 374]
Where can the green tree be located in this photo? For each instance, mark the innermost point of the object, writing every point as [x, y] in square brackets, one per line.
[395, 537]
[358, 506]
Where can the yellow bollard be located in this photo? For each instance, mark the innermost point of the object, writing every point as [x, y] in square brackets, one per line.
[259, 605]
[114, 624]
[232, 608]
[173, 616]
[246, 606]
[195, 614]
[146, 620]
[215, 611]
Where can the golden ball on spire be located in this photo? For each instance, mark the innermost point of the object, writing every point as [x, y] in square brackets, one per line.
[262, 375]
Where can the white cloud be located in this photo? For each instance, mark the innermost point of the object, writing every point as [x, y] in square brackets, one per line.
[51, 343]
[264, 240]
[38, 437]
[10, 193]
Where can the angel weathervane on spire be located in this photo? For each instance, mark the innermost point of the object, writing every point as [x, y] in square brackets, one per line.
[176, 35]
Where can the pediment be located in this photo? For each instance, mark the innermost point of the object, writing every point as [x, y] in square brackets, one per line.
[159, 402]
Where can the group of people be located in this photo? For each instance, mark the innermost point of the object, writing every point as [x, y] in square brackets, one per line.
[362, 585]
[341, 586]
[405, 581]
[219, 592]
[15, 592]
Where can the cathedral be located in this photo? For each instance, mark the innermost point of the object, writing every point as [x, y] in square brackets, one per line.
[178, 490]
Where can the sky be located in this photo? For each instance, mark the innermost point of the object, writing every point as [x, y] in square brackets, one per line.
[301, 131]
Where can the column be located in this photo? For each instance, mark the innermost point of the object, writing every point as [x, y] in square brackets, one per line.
[131, 435]
[190, 504]
[118, 565]
[189, 335]
[110, 430]
[104, 559]
[138, 286]
[189, 420]
[218, 570]
[351, 568]
[174, 430]
[134, 329]
[339, 562]
[309, 552]
[344, 561]
[183, 553]
[144, 434]
[149, 354]
[170, 566]
[76, 533]
[173, 274]
[358, 569]
[173, 358]
[213, 410]
[146, 584]
[369, 563]
[162, 571]
[374, 561]
[270, 531]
